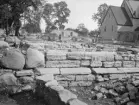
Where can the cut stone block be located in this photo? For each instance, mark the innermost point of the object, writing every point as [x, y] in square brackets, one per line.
[109, 57]
[75, 55]
[66, 95]
[65, 77]
[108, 64]
[27, 88]
[44, 71]
[57, 88]
[126, 58]
[64, 64]
[137, 57]
[137, 64]
[45, 78]
[130, 64]
[132, 57]
[106, 70]
[97, 58]
[24, 73]
[56, 56]
[118, 64]
[129, 70]
[88, 55]
[96, 64]
[3, 71]
[89, 77]
[119, 76]
[118, 57]
[75, 71]
[99, 78]
[63, 83]
[85, 63]
[51, 83]
[80, 83]
[76, 102]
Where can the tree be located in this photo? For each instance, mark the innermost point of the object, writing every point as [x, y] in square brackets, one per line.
[32, 20]
[15, 10]
[62, 13]
[94, 33]
[82, 30]
[70, 29]
[55, 16]
[101, 11]
[49, 15]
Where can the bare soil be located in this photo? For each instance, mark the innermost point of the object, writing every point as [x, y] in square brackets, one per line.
[84, 94]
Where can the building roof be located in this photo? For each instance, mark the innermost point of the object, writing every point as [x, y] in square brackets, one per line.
[134, 7]
[121, 16]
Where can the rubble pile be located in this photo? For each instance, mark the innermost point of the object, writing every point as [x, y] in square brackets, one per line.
[121, 91]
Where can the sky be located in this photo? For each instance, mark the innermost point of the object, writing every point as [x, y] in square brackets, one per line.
[82, 11]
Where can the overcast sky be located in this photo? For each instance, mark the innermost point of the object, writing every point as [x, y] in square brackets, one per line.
[82, 11]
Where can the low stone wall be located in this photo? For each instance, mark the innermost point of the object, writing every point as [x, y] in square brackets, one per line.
[49, 83]
[41, 83]
[91, 60]
[12, 82]
[73, 69]
[53, 93]
[72, 77]
[119, 84]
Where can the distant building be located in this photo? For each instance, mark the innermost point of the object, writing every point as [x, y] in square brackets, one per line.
[65, 35]
[121, 23]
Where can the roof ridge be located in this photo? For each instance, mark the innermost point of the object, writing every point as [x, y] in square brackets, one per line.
[113, 6]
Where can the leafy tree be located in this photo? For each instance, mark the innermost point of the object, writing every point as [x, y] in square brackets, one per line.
[32, 28]
[82, 30]
[55, 16]
[62, 12]
[48, 15]
[94, 33]
[32, 20]
[101, 11]
[11, 13]
[71, 29]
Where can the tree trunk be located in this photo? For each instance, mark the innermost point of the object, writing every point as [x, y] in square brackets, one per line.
[17, 26]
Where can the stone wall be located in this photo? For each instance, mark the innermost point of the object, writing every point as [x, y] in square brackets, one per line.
[53, 93]
[91, 60]
[119, 84]
[73, 69]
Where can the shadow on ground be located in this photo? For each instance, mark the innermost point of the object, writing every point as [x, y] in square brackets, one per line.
[27, 98]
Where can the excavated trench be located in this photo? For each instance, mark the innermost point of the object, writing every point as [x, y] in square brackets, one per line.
[24, 98]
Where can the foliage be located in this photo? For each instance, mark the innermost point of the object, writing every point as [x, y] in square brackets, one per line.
[48, 15]
[101, 11]
[94, 33]
[61, 13]
[13, 10]
[32, 28]
[55, 15]
[82, 30]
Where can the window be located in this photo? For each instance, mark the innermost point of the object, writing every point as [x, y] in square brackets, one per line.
[112, 28]
[105, 29]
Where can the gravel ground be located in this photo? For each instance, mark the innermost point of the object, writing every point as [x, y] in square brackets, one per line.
[84, 94]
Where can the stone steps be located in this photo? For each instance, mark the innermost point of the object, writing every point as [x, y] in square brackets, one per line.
[87, 70]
